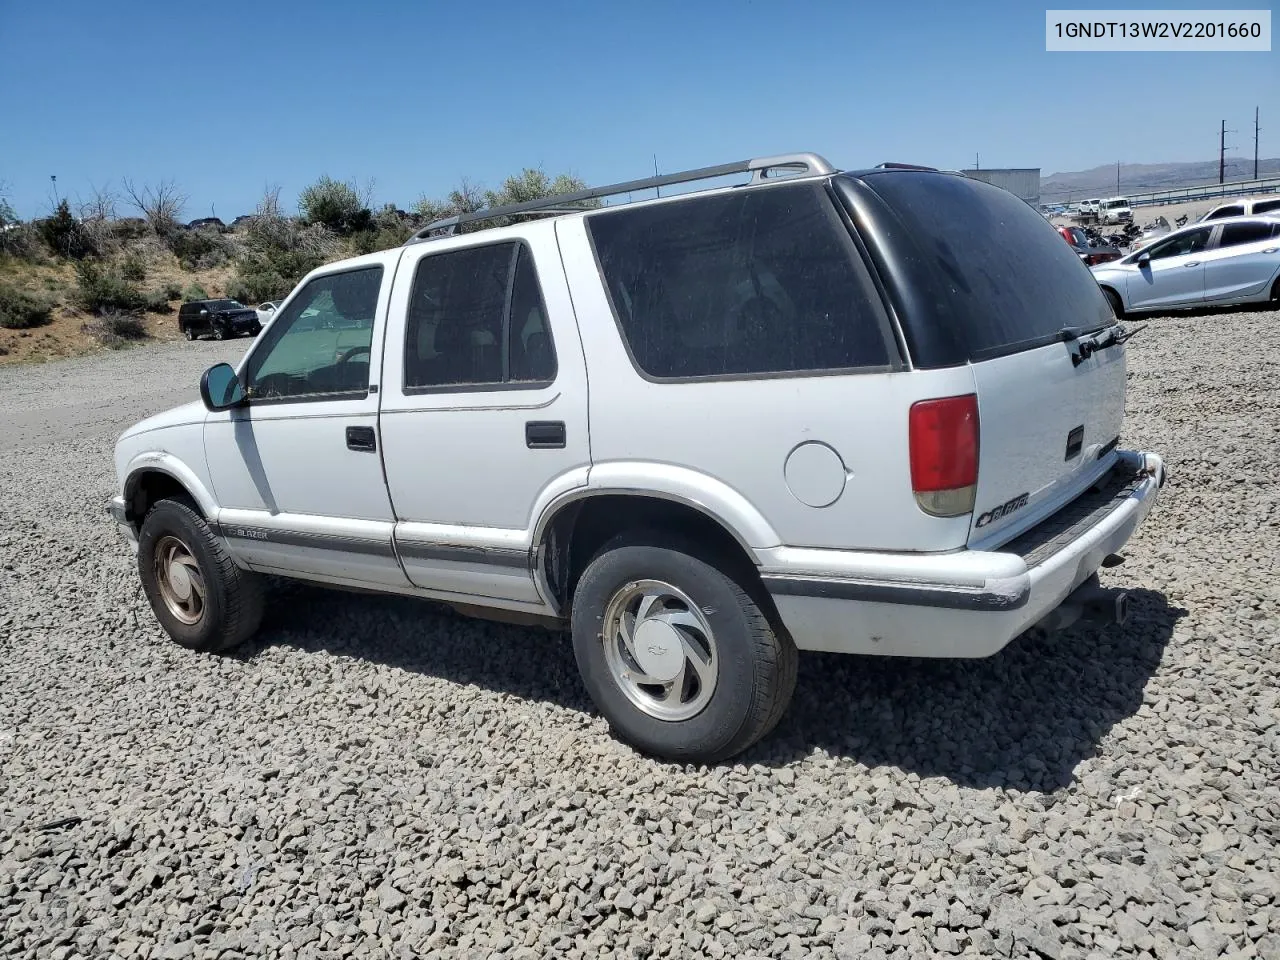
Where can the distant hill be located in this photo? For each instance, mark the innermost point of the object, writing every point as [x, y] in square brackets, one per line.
[1145, 177]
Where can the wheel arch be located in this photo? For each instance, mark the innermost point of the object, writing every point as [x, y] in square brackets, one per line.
[149, 482]
[1109, 290]
[574, 528]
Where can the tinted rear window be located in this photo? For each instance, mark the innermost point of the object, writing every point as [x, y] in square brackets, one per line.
[754, 282]
[977, 271]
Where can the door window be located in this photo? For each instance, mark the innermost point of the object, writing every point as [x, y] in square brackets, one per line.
[477, 319]
[1235, 234]
[1192, 242]
[318, 349]
[1266, 206]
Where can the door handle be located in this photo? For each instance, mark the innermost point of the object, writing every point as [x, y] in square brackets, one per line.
[545, 434]
[361, 438]
[1193, 263]
[1271, 249]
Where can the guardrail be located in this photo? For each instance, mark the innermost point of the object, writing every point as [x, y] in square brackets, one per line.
[1203, 191]
[1206, 191]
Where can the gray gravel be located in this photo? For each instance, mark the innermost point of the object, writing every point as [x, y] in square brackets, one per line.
[377, 778]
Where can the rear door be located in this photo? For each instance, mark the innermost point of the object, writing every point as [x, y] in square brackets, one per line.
[980, 280]
[1174, 276]
[1243, 260]
[484, 411]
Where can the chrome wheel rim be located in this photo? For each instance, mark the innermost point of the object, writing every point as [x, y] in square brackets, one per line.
[181, 583]
[660, 650]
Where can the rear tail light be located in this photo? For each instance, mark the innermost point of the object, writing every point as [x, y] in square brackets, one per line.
[944, 454]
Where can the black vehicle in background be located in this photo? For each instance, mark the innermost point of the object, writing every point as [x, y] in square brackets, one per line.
[219, 318]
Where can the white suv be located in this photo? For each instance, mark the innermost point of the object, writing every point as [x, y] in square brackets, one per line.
[1251, 207]
[873, 412]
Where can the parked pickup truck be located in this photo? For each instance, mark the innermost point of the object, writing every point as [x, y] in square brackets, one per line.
[870, 412]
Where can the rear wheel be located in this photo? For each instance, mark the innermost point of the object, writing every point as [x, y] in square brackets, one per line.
[201, 598]
[219, 332]
[1113, 298]
[675, 653]
[1275, 295]
[189, 333]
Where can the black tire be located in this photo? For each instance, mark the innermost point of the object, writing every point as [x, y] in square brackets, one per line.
[219, 332]
[189, 333]
[757, 666]
[1275, 295]
[1113, 298]
[233, 601]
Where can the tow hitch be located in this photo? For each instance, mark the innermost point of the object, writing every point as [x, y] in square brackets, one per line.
[1090, 602]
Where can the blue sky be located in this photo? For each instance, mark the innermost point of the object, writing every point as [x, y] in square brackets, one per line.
[228, 97]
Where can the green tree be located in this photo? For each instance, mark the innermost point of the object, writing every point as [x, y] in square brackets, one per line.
[336, 205]
[64, 234]
[7, 214]
[529, 184]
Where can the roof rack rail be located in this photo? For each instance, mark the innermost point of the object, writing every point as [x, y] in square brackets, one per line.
[762, 168]
[904, 166]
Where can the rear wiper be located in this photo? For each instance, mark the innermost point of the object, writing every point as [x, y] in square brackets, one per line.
[1075, 333]
[1087, 346]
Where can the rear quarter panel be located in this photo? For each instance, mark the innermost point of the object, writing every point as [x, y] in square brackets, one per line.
[739, 433]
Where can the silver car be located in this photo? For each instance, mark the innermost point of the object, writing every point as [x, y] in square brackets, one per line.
[1224, 262]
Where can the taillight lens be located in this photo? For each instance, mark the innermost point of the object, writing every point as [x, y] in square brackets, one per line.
[944, 454]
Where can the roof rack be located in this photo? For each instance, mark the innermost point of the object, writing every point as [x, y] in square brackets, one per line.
[763, 168]
[904, 166]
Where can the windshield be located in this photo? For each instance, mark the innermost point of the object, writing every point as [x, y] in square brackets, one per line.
[979, 273]
[1112, 204]
[226, 305]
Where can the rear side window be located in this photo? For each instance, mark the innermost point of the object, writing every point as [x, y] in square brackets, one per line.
[1236, 234]
[1266, 206]
[978, 273]
[755, 282]
[477, 319]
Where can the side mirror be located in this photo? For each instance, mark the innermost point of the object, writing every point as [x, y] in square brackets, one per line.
[220, 388]
[204, 312]
[1144, 259]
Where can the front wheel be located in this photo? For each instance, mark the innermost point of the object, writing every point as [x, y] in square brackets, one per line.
[201, 598]
[674, 652]
[189, 333]
[1113, 298]
[219, 332]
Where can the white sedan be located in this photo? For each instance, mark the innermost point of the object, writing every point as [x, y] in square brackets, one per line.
[267, 310]
[1208, 264]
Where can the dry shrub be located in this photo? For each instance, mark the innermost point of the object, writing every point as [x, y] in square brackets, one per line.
[115, 328]
[20, 310]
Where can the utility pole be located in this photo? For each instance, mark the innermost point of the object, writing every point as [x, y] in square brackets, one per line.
[657, 190]
[975, 162]
[1222, 152]
[1117, 178]
[54, 178]
[1255, 143]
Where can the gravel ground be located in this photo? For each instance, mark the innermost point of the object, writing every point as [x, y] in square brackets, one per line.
[377, 778]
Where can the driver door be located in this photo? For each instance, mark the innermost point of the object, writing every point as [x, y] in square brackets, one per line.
[1174, 275]
[297, 470]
